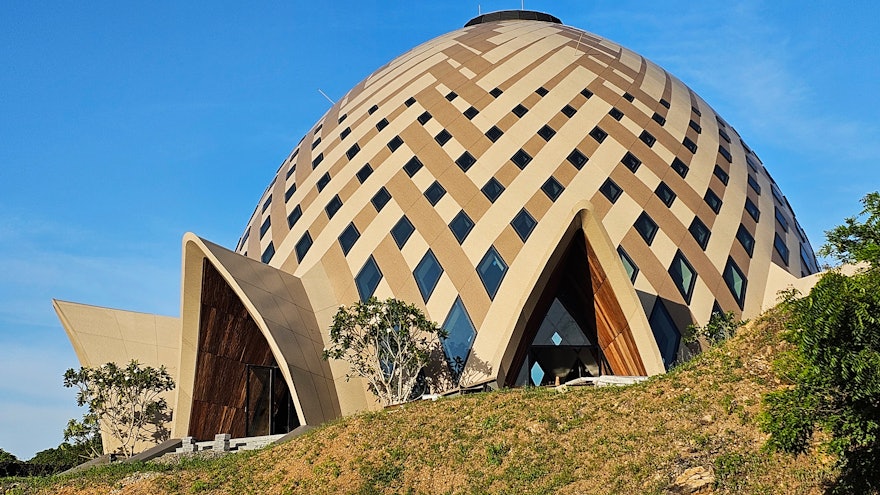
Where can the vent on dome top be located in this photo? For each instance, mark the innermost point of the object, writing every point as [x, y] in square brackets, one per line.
[513, 15]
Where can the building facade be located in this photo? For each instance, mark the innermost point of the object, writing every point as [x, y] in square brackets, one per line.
[561, 205]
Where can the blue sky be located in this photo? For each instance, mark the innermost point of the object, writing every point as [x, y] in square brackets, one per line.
[124, 125]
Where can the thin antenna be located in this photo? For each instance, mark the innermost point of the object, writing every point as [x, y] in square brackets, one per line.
[325, 96]
[522, 4]
[479, 11]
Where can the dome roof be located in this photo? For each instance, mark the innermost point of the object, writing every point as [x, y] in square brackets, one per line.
[452, 175]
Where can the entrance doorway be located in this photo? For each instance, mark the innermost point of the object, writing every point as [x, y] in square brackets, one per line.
[268, 405]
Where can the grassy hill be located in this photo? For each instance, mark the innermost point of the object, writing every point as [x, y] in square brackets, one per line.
[636, 439]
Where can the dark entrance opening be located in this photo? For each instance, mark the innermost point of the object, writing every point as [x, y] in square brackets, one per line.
[238, 386]
[268, 405]
[576, 327]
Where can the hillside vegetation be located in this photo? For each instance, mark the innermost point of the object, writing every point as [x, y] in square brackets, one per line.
[636, 439]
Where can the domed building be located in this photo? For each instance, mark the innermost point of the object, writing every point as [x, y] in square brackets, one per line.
[563, 206]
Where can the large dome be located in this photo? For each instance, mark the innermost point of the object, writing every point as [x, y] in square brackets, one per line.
[456, 174]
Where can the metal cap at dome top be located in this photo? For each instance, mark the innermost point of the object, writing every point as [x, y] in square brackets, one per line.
[513, 15]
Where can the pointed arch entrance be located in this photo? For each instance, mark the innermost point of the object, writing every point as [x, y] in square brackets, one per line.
[238, 386]
[574, 324]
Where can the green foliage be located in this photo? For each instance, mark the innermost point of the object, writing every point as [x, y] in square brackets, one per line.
[124, 402]
[385, 342]
[721, 327]
[854, 241]
[6, 457]
[835, 366]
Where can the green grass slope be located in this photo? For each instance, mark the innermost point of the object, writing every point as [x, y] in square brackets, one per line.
[628, 440]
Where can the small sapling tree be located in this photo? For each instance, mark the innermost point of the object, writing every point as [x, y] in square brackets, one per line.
[123, 402]
[387, 343]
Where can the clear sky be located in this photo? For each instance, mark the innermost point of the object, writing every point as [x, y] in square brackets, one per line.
[125, 124]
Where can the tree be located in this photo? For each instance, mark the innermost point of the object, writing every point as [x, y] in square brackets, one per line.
[834, 368]
[385, 342]
[123, 402]
[721, 326]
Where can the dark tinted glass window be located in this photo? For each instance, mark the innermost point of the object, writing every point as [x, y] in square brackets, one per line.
[546, 132]
[700, 232]
[316, 142]
[721, 174]
[491, 270]
[680, 167]
[723, 135]
[427, 273]
[410, 102]
[569, 111]
[628, 264]
[434, 192]
[345, 132]
[712, 200]
[451, 95]
[471, 112]
[442, 137]
[323, 181]
[496, 92]
[628, 97]
[520, 110]
[364, 172]
[659, 118]
[461, 331]
[753, 210]
[521, 158]
[412, 166]
[780, 217]
[647, 138]
[665, 194]
[696, 111]
[267, 203]
[587, 93]
[289, 192]
[611, 190]
[664, 103]
[646, 227]
[342, 118]
[368, 279]
[695, 126]
[396, 142]
[683, 275]
[542, 91]
[373, 109]
[382, 124]
[690, 145]
[461, 226]
[294, 215]
[615, 113]
[631, 161]
[381, 199]
[523, 223]
[781, 248]
[753, 183]
[725, 153]
[492, 189]
[317, 161]
[494, 133]
[302, 246]
[268, 253]
[746, 239]
[401, 231]
[735, 281]
[348, 237]
[665, 333]
[465, 161]
[577, 159]
[333, 206]
[552, 188]
[598, 134]
[355, 148]
[424, 117]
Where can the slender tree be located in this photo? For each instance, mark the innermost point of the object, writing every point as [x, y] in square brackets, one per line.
[123, 402]
[387, 343]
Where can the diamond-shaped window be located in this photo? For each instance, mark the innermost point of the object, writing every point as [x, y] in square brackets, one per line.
[556, 338]
[537, 374]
